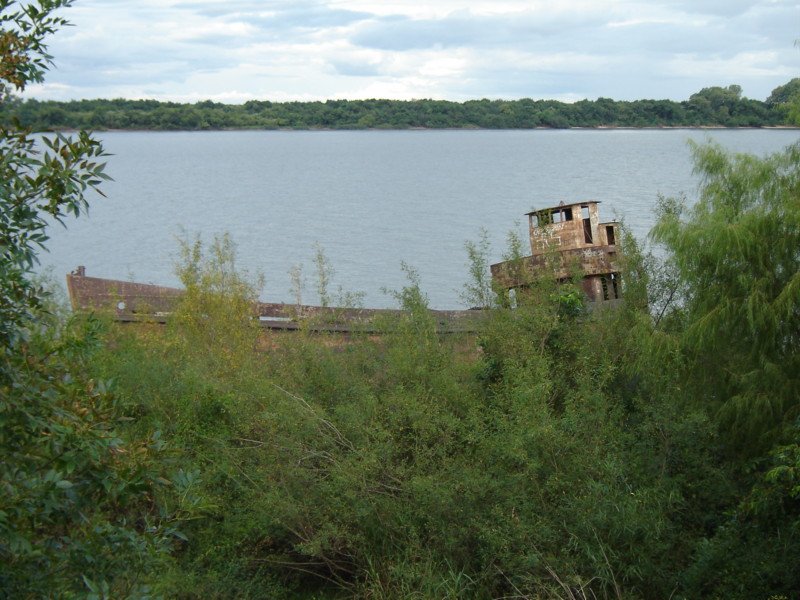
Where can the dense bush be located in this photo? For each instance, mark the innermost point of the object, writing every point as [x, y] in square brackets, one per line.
[83, 509]
[557, 452]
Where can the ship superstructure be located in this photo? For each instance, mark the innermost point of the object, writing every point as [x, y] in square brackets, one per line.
[564, 238]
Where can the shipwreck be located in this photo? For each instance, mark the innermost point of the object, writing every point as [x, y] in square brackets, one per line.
[131, 302]
[565, 239]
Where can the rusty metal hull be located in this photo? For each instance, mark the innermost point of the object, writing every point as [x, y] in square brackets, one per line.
[128, 301]
[591, 261]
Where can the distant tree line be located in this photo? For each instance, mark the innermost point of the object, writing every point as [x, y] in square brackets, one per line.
[713, 106]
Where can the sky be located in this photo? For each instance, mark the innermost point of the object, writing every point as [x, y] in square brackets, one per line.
[232, 51]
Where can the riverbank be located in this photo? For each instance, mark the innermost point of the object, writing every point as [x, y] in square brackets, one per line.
[70, 130]
[710, 107]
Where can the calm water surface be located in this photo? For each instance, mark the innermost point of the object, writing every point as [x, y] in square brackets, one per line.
[371, 199]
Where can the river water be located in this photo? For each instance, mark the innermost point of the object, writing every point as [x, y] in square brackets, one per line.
[371, 199]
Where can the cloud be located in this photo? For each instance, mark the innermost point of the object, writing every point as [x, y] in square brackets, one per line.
[275, 18]
[211, 33]
[454, 49]
[352, 68]
[314, 17]
[745, 64]
[467, 29]
[722, 8]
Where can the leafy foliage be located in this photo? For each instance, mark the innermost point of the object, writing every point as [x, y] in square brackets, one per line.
[23, 52]
[737, 254]
[80, 507]
[70, 484]
[558, 452]
[36, 186]
[33, 185]
[410, 465]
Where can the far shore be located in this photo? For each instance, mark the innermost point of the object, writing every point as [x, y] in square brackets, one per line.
[467, 128]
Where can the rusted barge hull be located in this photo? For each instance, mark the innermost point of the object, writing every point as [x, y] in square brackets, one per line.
[134, 302]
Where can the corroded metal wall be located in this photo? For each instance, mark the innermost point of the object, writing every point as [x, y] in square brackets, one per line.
[120, 297]
[565, 239]
[129, 302]
[566, 234]
[594, 260]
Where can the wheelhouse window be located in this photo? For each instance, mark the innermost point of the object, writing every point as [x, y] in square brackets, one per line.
[587, 225]
[610, 236]
[548, 217]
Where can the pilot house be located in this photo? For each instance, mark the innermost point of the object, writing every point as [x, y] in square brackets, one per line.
[562, 238]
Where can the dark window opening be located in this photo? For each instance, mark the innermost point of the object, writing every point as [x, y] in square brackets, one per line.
[610, 235]
[587, 231]
[615, 285]
[605, 287]
[587, 225]
[548, 217]
[561, 215]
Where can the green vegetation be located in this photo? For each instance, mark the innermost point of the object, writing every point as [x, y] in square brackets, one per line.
[560, 452]
[649, 451]
[82, 510]
[711, 107]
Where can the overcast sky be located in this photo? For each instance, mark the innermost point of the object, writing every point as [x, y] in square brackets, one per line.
[236, 50]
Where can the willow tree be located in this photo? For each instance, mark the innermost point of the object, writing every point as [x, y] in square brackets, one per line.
[736, 253]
